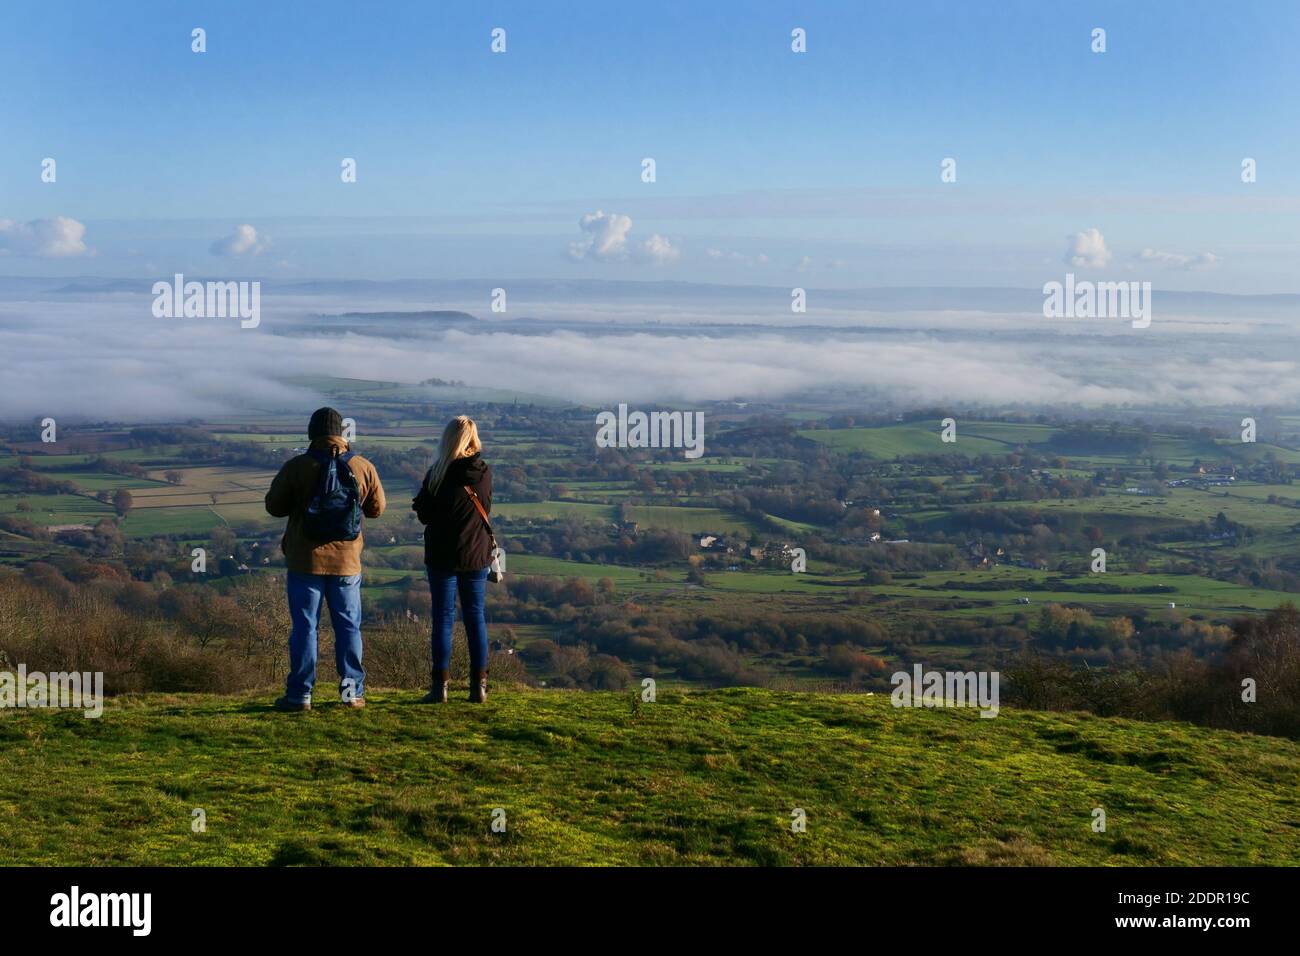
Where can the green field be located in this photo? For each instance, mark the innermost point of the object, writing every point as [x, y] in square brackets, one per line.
[525, 510]
[624, 578]
[56, 509]
[686, 519]
[975, 437]
[918, 487]
[299, 440]
[152, 521]
[694, 778]
[91, 481]
[689, 520]
[893, 441]
[1177, 504]
[1191, 594]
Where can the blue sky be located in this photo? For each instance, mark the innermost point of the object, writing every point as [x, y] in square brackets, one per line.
[772, 167]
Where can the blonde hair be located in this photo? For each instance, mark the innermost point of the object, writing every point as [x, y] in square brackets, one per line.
[459, 440]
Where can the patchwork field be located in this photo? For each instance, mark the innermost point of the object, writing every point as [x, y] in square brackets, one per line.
[1214, 553]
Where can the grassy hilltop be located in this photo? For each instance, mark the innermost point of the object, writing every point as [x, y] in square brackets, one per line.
[706, 777]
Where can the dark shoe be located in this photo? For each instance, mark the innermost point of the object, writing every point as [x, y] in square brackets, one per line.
[291, 706]
[438, 695]
[478, 687]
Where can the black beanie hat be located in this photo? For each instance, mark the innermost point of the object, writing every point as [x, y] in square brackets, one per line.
[325, 421]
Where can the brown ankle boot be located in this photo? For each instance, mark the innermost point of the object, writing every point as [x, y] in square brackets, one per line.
[477, 686]
[438, 695]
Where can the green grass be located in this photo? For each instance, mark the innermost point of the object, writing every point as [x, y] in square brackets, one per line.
[998, 438]
[624, 578]
[662, 517]
[689, 520]
[56, 509]
[695, 778]
[525, 510]
[144, 522]
[893, 441]
[92, 481]
[792, 526]
[1000, 587]
[298, 440]
[1175, 505]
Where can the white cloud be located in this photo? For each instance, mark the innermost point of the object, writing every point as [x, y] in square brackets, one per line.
[606, 237]
[719, 255]
[55, 238]
[1206, 260]
[607, 241]
[243, 241]
[808, 263]
[1087, 250]
[657, 249]
[130, 366]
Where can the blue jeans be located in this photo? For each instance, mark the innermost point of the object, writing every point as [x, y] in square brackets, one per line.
[343, 594]
[444, 585]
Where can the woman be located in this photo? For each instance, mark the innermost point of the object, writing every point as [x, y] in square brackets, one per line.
[457, 551]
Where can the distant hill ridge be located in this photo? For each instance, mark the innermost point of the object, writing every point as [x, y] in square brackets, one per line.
[429, 315]
[993, 299]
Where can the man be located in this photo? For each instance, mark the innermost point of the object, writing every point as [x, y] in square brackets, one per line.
[323, 570]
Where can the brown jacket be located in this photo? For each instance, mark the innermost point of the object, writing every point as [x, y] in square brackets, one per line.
[289, 496]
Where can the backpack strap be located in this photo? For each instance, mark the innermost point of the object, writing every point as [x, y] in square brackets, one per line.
[325, 457]
[478, 504]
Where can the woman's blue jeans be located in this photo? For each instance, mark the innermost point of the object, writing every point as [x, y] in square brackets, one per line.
[444, 586]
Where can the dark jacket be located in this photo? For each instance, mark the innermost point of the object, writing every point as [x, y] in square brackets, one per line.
[455, 536]
[291, 492]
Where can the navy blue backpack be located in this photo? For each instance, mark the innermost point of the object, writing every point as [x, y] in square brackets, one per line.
[334, 512]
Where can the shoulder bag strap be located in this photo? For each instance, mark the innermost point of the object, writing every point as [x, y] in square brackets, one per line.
[482, 513]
